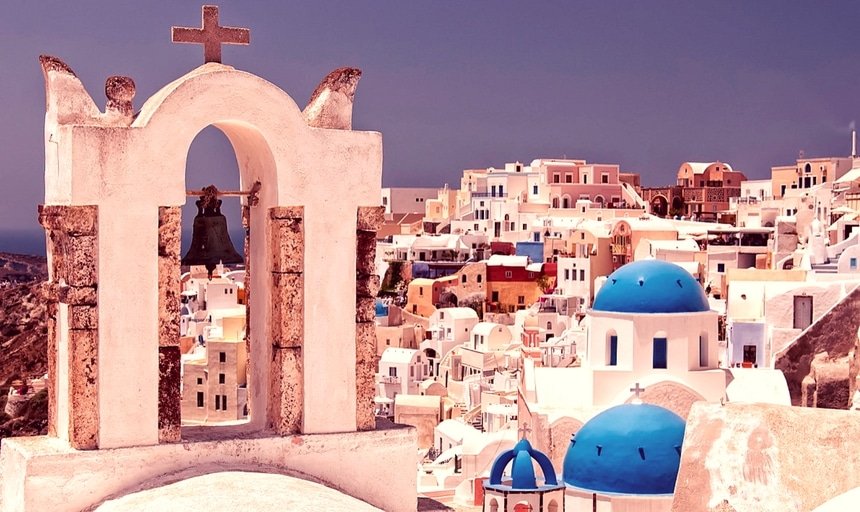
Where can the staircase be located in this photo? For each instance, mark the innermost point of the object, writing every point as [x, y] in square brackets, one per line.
[826, 268]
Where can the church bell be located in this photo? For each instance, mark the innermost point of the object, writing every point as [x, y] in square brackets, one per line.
[210, 240]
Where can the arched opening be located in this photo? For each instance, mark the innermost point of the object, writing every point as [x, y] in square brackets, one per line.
[494, 505]
[677, 206]
[565, 202]
[213, 384]
[555, 202]
[222, 383]
[660, 206]
[599, 199]
[552, 506]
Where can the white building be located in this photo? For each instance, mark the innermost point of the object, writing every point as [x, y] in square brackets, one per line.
[401, 370]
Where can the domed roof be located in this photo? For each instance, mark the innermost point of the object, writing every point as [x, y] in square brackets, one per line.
[522, 469]
[627, 449]
[651, 286]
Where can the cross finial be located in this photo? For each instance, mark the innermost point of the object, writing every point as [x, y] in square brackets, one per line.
[636, 389]
[522, 430]
[211, 35]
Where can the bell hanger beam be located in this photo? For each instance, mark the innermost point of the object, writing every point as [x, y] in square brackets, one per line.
[212, 191]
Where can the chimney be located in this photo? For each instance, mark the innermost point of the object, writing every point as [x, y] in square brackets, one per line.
[853, 143]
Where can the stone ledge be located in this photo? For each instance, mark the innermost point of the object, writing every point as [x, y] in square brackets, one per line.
[42, 473]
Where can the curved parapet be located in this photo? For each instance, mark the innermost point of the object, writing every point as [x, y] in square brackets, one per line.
[331, 103]
[66, 99]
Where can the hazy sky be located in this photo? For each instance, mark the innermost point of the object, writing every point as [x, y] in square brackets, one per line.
[454, 85]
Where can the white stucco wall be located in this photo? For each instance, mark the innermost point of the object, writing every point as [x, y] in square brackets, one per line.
[129, 171]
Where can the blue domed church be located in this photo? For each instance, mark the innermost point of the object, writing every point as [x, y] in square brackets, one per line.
[518, 488]
[650, 337]
[651, 324]
[625, 458]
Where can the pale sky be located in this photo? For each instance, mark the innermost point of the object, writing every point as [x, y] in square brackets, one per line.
[461, 84]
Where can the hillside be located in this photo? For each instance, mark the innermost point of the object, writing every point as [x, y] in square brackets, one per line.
[23, 338]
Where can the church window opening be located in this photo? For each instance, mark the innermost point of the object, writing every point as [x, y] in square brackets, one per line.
[703, 350]
[659, 354]
[613, 350]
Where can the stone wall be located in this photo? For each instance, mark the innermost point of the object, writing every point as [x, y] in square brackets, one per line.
[368, 221]
[286, 400]
[755, 457]
[169, 364]
[828, 342]
[72, 290]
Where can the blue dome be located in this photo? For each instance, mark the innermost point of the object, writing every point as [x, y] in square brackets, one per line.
[522, 469]
[381, 308]
[651, 286]
[627, 449]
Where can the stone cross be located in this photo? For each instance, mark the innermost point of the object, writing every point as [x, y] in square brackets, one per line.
[524, 429]
[636, 389]
[211, 35]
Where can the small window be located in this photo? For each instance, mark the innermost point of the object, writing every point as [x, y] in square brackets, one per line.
[721, 267]
[222, 379]
[852, 263]
[199, 399]
[199, 380]
[703, 351]
[508, 274]
[217, 402]
[479, 278]
[613, 350]
[535, 190]
[604, 178]
[392, 371]
[224, 402]
[555, 178]
[582, 274]
[463, 279]
[568, 178]
[421, 291]
[222, 357]
[659, 354]
[521, 299]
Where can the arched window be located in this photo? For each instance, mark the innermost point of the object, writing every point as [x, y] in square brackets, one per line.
[494, 505]
[565, 203]
[549, 326]
[552, 507]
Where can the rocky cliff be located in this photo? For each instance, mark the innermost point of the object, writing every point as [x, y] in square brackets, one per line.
[23, 338]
